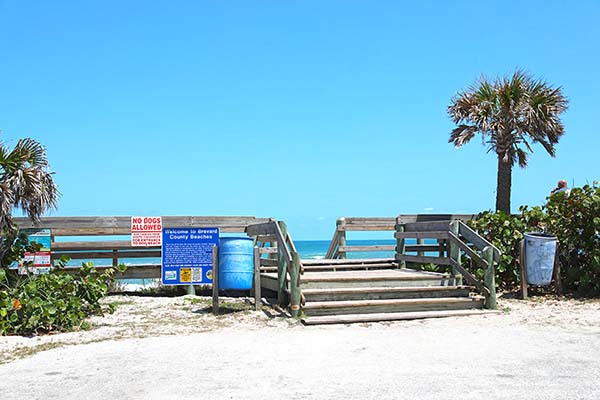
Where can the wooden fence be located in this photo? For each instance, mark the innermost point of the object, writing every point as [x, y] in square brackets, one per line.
[107, 253]
[338, 247]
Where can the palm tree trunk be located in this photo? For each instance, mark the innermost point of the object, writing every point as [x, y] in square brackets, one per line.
[503, 186]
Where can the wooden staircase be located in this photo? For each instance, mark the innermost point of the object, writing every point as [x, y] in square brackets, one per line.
[341, 290]
[348, 291]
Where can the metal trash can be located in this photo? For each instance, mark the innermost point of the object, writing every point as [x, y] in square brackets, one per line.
[540, 250]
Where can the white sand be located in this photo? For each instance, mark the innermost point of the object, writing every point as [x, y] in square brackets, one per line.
[168, 348]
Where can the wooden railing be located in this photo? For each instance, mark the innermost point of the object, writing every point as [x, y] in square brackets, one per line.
[481, 252]
[289, 267]
[338, 247]
[453, 240]
[114, 251]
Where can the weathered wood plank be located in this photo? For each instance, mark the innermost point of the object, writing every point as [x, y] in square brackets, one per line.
[125, 221]
[421, 248]
[55, 255]
[348, 261]
[423, 259]
[121, 225]
[257, 287]
[283, 261]
[268, 262]
[469, 252]
[489, 278]
[369, 224]
[265, 228]
[99, 245]
[377, 317]
[377, 247]
[473, 237]
[468, 276]
[411, 218]
[295, 293]
[266, 238]
[268, 250]
[281, 232]
[332, 245]
[523, 265]
[434, 226]
[422, 235]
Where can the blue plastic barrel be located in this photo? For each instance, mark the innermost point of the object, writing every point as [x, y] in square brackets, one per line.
[236, 263]
[540, 250]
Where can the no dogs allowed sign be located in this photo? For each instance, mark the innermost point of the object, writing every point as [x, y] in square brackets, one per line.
[146, 231]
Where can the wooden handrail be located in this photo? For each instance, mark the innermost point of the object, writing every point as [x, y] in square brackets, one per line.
[478, 241]
[289, 266]
[489, 256]
[332, 250]
[282, 243]
[470, 252]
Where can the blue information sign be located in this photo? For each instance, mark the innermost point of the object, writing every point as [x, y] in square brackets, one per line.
[187, 255]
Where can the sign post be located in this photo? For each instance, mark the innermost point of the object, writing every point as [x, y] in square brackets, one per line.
[187, 255]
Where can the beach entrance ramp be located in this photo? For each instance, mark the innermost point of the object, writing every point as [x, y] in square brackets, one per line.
[426, 278]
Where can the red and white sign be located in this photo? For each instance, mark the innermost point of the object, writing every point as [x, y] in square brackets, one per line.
[146, 231]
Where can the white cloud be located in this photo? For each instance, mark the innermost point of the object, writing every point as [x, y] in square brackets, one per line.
[429, 209]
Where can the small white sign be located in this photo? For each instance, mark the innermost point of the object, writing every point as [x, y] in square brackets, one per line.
[146, 231]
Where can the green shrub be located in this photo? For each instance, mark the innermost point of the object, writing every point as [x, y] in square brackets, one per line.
[575, 220]
[58, 301]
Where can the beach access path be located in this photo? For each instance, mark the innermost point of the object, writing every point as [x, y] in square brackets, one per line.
[540, 349]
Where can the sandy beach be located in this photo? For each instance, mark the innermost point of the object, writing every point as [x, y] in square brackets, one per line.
[156, 347]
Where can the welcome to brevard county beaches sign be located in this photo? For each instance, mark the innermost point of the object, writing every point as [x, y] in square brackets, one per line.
[186, 252]
[187, 255]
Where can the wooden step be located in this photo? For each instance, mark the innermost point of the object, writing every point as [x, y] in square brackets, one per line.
[390, 305]
[378, 317]
[379, 293]
[338, 267]
[373, 278]
[349, 261]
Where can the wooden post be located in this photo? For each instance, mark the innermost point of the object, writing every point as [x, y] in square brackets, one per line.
[400, 244]
[115, 260]
[455, 253]
[257, 289]
[281, 267]
[523, 263]
[273, 255]
[341, 232]
[295, 286]
[215, 276]
[557, 281]
[489, 278]
[420, 253]
[441, 247]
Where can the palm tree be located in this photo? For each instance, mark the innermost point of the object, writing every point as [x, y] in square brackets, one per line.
[25, 183]
[510, 114]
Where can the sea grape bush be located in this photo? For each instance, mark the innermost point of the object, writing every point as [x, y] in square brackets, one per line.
[58, 301]
[574, 219]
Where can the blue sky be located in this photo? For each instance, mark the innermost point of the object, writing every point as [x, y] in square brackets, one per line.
[300, 110]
